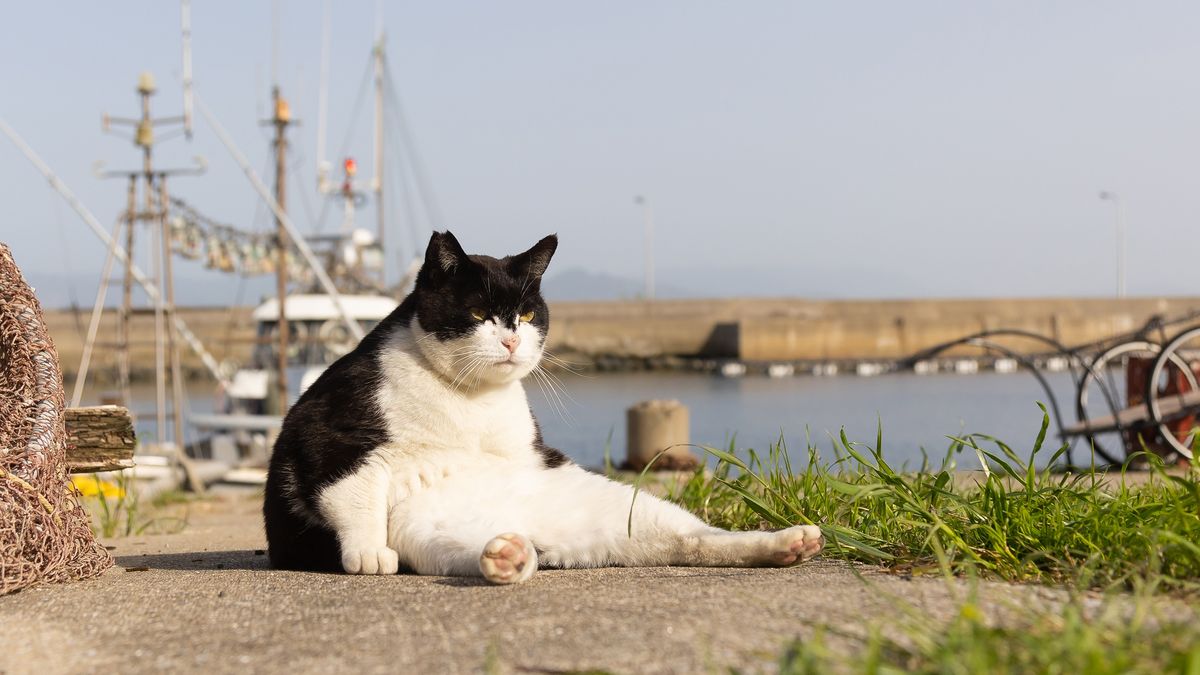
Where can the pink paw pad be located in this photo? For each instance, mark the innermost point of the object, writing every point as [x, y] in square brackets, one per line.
[798, 544]
[508, 559]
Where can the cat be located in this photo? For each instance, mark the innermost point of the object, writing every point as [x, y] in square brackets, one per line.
[418, 450]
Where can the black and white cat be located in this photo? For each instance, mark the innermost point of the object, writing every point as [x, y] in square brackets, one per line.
[418, 450]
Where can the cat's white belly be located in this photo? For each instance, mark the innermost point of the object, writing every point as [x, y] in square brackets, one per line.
[574, 518]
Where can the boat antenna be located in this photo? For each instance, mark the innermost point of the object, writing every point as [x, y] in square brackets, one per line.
[275, 12]
[323, 101]
[185, 20]
[377, 180]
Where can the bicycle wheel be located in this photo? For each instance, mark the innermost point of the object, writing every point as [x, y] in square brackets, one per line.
[1104, 391]
[1172, 395]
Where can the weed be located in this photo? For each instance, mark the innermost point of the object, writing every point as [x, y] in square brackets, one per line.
[117, 510]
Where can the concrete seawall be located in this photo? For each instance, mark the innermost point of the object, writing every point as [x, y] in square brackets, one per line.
[785, 330]
[748, 329]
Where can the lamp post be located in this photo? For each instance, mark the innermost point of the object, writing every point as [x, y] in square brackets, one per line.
[1120, 214]
[648, 216]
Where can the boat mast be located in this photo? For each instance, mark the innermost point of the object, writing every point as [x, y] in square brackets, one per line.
[302, 247]
[117, 253]
[281, 119]
[156, 200]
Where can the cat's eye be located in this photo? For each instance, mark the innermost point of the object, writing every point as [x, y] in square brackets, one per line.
[526, 317]
[477, 314]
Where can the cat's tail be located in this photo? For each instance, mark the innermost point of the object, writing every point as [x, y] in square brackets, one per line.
[294, 543]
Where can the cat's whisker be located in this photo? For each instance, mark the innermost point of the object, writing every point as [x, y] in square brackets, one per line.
[569, 366]
[474, 371]
[475, 363]
[553, 394]
[427, 336]
[461, 354]
[557, 383]
[546, 394]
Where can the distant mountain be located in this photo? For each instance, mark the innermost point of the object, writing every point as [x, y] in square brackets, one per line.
[576, 283]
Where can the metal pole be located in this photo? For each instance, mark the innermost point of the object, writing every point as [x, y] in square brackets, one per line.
[121, 255]
[160, 347]
[281, 119]
[297, 239]
[123, 322]
[169, 289]
[1120, 222]
[649, 251]
[1120, 249]
[648, 217]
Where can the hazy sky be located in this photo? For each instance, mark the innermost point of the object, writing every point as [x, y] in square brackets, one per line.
[847, 149]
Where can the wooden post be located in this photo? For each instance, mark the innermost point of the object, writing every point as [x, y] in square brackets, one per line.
[655, 426]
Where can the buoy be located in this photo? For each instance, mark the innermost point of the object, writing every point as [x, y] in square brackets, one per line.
[1005, 365]
[733, 369]
[781, 370]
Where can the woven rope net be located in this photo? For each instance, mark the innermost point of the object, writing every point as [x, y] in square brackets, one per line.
[45, 535]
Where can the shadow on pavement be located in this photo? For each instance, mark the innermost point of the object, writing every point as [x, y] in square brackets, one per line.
[248, 559]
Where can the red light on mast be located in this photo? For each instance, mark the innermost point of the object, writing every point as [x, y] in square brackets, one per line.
[350, 166]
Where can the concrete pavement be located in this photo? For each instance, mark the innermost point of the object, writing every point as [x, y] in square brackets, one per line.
[204, 600]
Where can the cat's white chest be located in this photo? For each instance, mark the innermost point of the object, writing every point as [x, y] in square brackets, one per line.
[424, 415]
[498, 423]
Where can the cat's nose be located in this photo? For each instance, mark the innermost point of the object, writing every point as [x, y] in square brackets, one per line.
[511, 342]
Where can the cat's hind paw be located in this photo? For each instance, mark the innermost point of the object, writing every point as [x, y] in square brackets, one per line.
[381, 560]
[508, 559]
[797, 544]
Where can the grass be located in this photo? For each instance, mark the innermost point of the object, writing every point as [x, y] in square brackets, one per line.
[1015, 523]
[1109, 640]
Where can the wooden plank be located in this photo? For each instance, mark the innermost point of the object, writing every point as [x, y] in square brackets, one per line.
[99, 438]
[1170, 406]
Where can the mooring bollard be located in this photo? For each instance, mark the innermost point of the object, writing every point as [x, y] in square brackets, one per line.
[654, 426]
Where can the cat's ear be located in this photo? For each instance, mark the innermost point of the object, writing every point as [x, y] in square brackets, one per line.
[533, 263]
[444, 255]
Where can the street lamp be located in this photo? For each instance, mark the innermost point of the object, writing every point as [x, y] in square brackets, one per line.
[648, 216]
[1120, 213]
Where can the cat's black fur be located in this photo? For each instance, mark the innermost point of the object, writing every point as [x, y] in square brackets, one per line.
[331, 429]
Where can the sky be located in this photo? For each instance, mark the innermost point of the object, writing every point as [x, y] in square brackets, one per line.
[820, 150]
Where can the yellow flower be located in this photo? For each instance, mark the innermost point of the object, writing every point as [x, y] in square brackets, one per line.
[90, 486]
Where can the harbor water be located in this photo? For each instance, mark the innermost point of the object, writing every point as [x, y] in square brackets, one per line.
[917, 412]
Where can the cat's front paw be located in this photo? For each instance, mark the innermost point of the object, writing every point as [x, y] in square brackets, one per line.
[797, 544]
[370, 560]
[508, 559]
